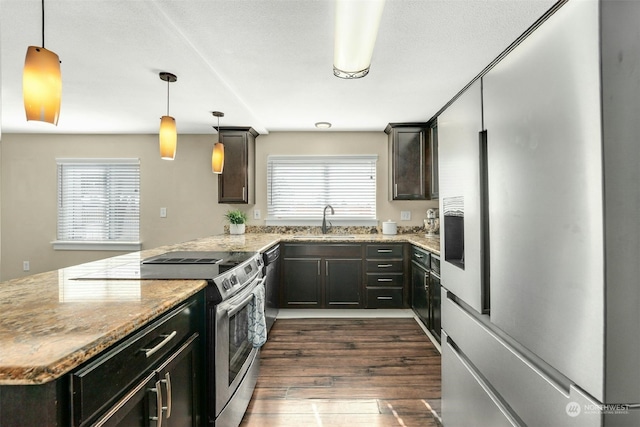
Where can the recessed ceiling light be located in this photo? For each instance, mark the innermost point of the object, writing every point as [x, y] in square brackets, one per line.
[323, 125]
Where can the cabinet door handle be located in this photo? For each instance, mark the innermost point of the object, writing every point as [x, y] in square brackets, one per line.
[158, 418]
[167, 382]
[385, 298]
[382, 279]
[384, 251]
[385, 265]
[150, 351]
[326, 268]
[395, 190]
[318, 267]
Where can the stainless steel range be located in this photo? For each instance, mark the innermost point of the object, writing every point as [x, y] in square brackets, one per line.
[232, 361]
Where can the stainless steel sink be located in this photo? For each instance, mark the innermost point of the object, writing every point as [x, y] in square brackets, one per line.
[324, 237]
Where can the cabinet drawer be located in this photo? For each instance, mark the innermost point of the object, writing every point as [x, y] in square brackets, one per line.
[384, 266]
[101, 381]
[389, 279]
[384, 251]
[384, 297]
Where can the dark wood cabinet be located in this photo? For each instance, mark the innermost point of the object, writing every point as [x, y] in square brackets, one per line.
[301, 284]
[321, 275]
[119, 387]
[425, 289]
[236, 184]
[385, 270]
[434, 186]
[410, 161]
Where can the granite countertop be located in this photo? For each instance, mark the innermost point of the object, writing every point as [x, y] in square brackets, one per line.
[52, 322]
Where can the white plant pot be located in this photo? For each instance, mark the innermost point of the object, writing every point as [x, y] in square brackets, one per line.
[236, 228]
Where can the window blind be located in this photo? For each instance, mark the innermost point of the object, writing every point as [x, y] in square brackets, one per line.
[99, 200]
[299, 187]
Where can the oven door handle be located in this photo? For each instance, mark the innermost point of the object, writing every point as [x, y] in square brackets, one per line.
[239, 306]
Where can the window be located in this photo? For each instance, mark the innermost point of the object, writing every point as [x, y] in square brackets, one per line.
[299, 187]
[98, 204]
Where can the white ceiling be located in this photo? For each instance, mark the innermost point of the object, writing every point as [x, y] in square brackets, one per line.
[264, 63]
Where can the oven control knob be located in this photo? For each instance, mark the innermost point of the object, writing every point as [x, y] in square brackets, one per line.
[233, 279]
[226, 284]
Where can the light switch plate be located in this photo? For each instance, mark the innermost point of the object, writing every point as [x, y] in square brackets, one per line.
[256, 214]
[405, 215]
[163, 212]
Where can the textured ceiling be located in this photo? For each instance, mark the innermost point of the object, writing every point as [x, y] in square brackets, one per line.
[264, 63]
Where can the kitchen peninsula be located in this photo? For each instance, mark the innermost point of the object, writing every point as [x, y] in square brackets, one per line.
[52, 323]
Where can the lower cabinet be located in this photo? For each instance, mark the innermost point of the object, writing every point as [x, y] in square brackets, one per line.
[386, 271]
[321, 276]
[168, 396]
[425, 288]
[152, 378]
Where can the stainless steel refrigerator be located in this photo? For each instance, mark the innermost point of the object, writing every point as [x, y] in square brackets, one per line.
[540, 237]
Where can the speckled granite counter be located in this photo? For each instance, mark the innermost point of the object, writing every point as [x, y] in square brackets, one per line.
[50, 322]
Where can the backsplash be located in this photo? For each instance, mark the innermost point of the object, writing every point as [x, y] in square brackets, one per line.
[286, 229]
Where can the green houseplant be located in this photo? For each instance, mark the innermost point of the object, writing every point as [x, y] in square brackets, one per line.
[237, 220]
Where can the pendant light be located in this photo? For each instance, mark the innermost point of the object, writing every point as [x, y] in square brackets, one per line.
[168, 134]
[42, 83]
[217, 158]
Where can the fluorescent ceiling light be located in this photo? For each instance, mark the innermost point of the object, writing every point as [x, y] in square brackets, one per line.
[357, 23]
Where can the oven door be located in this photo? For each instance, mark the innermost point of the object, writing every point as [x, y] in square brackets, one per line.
[234, 354]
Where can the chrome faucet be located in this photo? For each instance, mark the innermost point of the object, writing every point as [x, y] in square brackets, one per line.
[324, 219]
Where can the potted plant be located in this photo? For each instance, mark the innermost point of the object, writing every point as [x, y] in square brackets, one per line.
[237, 220]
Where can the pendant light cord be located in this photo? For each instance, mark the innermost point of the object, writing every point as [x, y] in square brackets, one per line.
[168, 97]
[218, 128]
[43, 24]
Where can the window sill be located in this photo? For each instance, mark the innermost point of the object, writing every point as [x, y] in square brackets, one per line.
[318, 222]
[63, 245]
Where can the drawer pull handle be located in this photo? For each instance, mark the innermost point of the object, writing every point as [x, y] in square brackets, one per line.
[385, 298]
[159, 407]
[384, 251]
[167, 381]
[384, 280]
[385, 265]
[418, 256]
[150, 351]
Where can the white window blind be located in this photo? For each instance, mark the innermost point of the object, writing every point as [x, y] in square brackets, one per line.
[299, 187]
[98, 201]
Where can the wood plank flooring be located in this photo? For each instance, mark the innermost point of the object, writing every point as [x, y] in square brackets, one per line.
[346, 372]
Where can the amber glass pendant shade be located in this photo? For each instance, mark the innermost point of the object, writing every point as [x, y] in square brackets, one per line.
[217, 158]
[168, 138]
[42, 85]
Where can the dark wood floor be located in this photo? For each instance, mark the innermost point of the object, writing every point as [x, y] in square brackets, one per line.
[346, 372]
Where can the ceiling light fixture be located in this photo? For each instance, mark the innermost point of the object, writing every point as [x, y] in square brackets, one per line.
[217, 158]
[168, 134]
[42, 83]
[323, 125]
[356, 29]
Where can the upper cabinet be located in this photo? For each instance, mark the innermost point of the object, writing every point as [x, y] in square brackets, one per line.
[410, 161]
[236, 184]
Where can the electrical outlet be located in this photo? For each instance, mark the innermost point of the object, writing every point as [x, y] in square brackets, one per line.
[405, 215]
[163, 212]
[25, 266]
[256, 214]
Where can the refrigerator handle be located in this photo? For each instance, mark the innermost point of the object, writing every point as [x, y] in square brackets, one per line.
[485, 275]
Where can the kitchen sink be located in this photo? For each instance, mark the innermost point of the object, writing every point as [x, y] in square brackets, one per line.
[324, 237]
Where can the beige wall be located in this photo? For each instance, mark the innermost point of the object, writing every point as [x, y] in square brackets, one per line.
[185, 186]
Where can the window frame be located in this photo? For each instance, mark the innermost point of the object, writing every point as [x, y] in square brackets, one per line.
[107, 244]
[335, 219]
